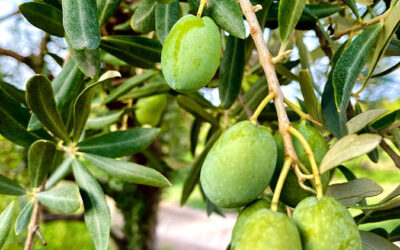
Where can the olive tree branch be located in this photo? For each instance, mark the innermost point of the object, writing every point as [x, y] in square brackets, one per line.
[23, 59]
[265, 59]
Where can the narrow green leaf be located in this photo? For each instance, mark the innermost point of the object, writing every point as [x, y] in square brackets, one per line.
[353, 7]
[152, 88]
[362, 120]
[9, 187]
[81, 24]
[387, 205]
[194, 174]
[119, 143]
[196, 110]
[102, 122]
[64, 199]
[386, 120]
[97, 213]
[5, 223]
[43, 16]
[129, 84]
[352, 192]
[87, 60]
[231, 71]
[307, 90]
[40, 97]
[226, 13]
[143, 21]
[289, 14]
[24, 217]
[371, 241]
[40, 159]
[58, 59]
[390, 25]
[166, 15]
[347, 173]
[136, 51]
[13, 92]
[57, 175]
[82, 105]
[105, 9]
[350, 64]
[194, 135]
[129, 172]
[349, 147]
[54, 3]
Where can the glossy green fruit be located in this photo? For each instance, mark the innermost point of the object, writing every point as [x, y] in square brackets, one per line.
[265, 229]
[150, 109]
[292, 193]
[326, 224]
[239, 166]
[191, 53]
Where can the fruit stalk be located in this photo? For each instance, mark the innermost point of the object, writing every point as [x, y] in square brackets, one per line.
[279, 185]
[201, 7]
[313, 163]
[265, 59]
[261, 106]
[301, 113]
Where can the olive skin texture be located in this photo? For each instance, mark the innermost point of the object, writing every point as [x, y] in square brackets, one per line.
[191, 53]
[266, 229]
[150, 109]
[292, 193]
[239, 166]
[248, 210]
[326, 224]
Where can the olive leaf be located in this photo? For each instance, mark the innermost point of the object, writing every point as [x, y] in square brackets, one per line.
[196, 110]
[104, 121]
[81, 24]
[13, 92]
[166, 15]
[350, 64]
[54, 3]
[129, 84]
[194, 135]
[352, 5]
[231, 71]
[5, 223]
[349, 147]
[386, 120]
[143, 21]
[352, 192]
[105, 9]
[9, 187]
[40, 97]
[289, 14]
[360, 121]
[371, 241]
[226, 13]
[129, 172]
[307, 90]
[64, 199]
[119, 143]
[43, 16]
[40, 160]
[57, 175]
[97, 213]
[152, 88]
[136, 51]
[86, 59]
[24, 217]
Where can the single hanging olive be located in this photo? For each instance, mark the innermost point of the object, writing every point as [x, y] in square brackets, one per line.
[149, 110]
[191, 53]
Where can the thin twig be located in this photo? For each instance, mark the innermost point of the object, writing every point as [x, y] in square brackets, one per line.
[395, 157]
[34, 223]
[279, 185]
[245, 106]
[262, 105]
[23, 59]
[265, 59]
[301, 113]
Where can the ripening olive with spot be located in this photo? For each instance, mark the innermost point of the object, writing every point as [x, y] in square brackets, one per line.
[191, 53]
[292, 193]
[239, 166]
[150, 109]
[326, 224]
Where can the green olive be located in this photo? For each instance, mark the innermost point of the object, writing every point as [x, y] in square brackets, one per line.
[292, 193]
[239, 166]
[150, 109]
[326, 224]
[191, 53]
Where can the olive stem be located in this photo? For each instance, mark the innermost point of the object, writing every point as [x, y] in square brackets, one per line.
[279, 185]
[282, 55]
[301, 175]
[201, 7]
[300, 112]
[311, 158]
[265, 59]
[261, 106]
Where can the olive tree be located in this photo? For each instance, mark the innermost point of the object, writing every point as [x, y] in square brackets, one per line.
[130, 63]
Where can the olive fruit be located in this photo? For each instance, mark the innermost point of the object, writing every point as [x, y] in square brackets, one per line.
[239, 166]
[191, 53]
[292, 193]
[150, 109]
[326, 224]
[248, 210]
[266, 229]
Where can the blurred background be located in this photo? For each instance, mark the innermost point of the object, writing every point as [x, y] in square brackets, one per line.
[186, 227]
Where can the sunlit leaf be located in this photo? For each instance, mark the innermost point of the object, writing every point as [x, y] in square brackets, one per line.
[101, 122]
[24, 217]
[289, 14]
[64, 199]
[360, 121]
[5, 223]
